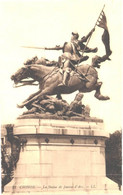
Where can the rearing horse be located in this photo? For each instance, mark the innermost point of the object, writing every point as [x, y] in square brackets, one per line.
[49, 79]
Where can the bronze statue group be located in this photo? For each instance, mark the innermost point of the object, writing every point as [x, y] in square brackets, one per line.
[65, 75]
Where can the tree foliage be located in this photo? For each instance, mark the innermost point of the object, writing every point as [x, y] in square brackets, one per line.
[114, 157]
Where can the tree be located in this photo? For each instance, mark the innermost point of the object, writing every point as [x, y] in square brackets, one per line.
[114, 157]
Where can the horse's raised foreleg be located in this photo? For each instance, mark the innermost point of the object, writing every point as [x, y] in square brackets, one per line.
[25, 102]
[98, 94]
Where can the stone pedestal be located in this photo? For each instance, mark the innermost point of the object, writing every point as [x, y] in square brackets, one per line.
[60, 157]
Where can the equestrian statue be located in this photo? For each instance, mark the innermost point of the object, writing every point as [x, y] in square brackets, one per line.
[68, 74]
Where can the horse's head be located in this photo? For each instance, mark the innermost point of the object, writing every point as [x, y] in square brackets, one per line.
[35, 72]
[21, 74]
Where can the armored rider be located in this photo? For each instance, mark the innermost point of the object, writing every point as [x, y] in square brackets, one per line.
[79, 46]
[69, 60]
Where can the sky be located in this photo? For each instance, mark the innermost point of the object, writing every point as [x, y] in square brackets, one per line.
[46, 23]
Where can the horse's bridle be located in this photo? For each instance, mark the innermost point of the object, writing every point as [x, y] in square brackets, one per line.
[29, 82]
